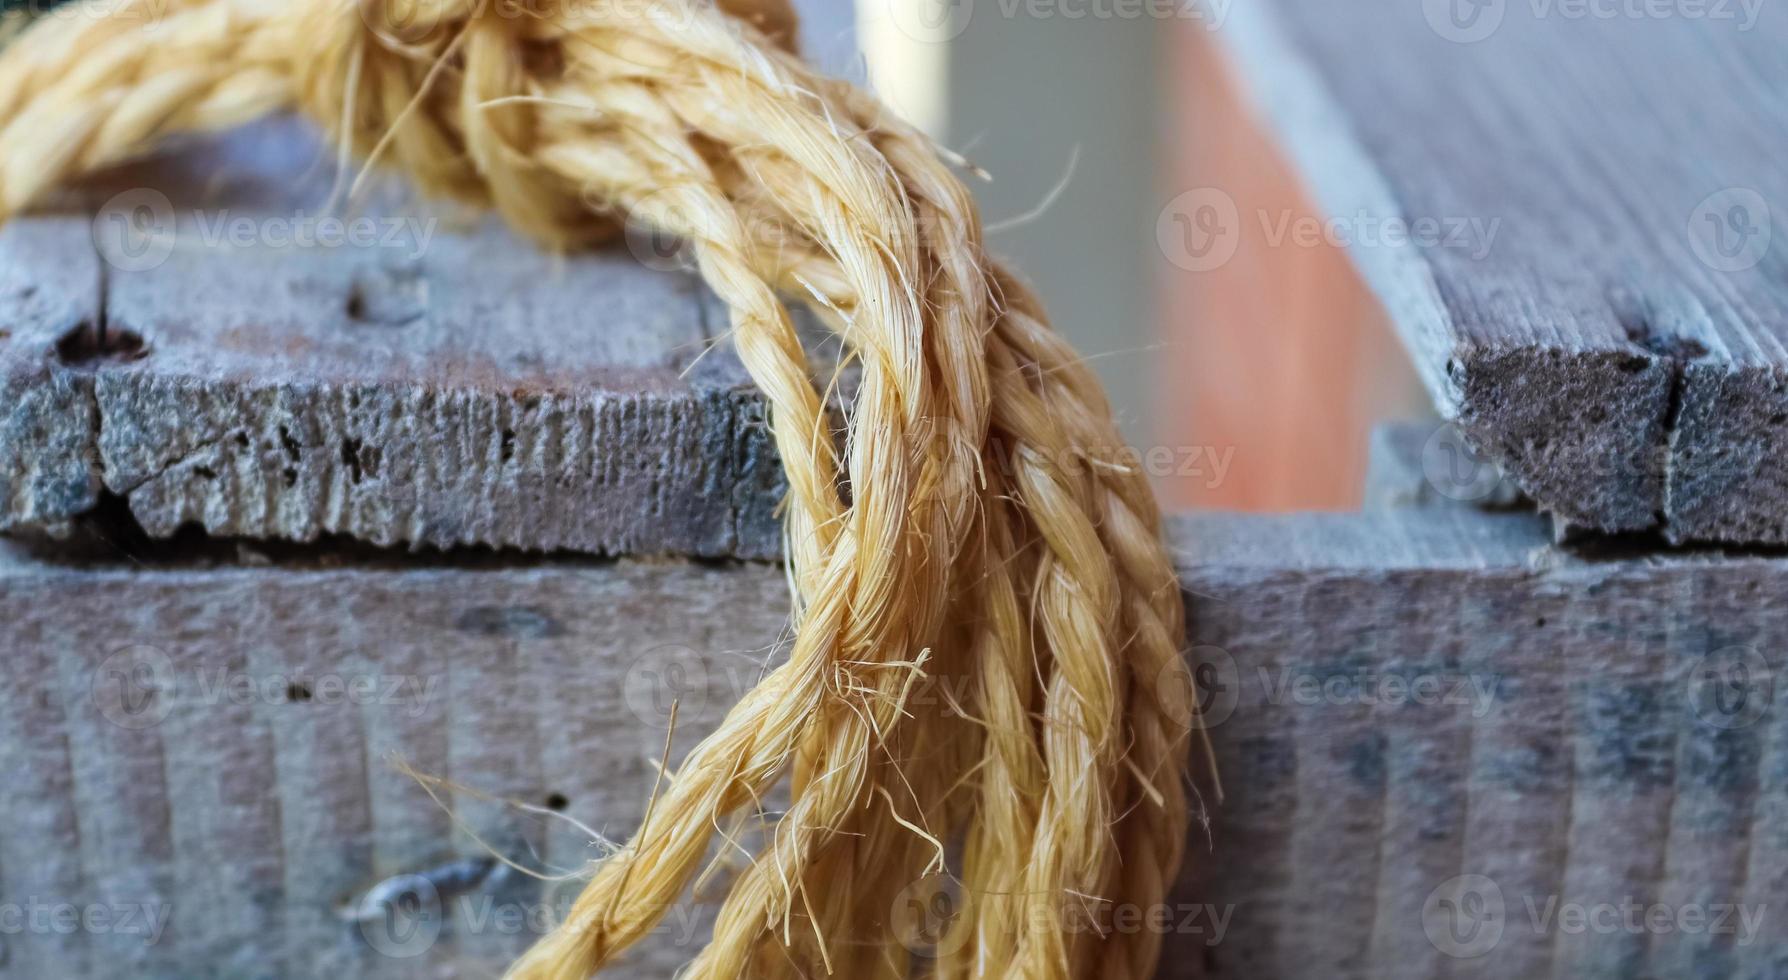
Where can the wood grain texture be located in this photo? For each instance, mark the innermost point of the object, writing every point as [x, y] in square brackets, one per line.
[1597, 300]
[1398, 699]
[393, 377]
[46, 412]
[219, 745]
[1435, 705]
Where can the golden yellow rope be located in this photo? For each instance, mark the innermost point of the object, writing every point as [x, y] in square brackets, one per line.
[988, 628]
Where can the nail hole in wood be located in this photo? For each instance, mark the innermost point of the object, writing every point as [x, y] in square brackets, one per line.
[85, 344]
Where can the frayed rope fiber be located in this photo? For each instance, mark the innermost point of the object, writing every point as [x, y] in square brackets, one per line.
[969, 538]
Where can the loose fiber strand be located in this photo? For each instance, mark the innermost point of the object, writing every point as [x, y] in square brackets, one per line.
[980, 556]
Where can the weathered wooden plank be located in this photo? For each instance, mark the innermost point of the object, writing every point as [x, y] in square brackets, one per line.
[46, 413]
[231, 734]
[269, 370]
[1572, 236]
[1446, 724]
[1420, 714]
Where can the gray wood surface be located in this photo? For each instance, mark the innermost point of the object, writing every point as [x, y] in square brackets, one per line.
[1398, 699]
[221, 747]
[1598, 733]
[398, 377]
[1437, 727]
[1599, 298]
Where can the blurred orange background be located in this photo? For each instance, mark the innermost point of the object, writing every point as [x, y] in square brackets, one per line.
[1248, 384]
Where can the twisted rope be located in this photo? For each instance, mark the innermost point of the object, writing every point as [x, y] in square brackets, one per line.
[988, 629]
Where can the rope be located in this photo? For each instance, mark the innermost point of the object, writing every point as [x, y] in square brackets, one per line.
[986, 679]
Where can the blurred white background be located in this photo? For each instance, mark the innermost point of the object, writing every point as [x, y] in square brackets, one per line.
[1097, 119]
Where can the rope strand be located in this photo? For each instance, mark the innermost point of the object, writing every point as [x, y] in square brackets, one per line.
[988, 631]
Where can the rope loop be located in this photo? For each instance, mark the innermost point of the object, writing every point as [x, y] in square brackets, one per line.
[984, 715]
